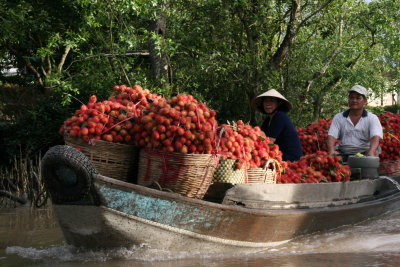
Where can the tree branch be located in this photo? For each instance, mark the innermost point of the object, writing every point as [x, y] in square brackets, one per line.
[9, 195]
[288, 40]
[321, 72]
[292, 29]
[352, 63]
[63, 58]
[338, 78]
[42, 69]
[49, 67]
[35, 71]
[142, 53]
[314, 13]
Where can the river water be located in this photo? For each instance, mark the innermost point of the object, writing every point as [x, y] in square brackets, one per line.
[32, 237]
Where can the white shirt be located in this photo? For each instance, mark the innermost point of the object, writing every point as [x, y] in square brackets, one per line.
[354, 139]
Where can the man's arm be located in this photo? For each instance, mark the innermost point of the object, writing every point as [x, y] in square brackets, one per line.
[376, 132]
[333, 135]
[331, 145]
[373, 149]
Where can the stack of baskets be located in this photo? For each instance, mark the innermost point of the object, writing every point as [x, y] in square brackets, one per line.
[226, 173]
[226, 176]
[118, 161]
[186, 174]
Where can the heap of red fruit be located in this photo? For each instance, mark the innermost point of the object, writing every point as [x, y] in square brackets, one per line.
[136, 116]
[247, 145]
[133, 115]
[391, 136]
[180, 124]
[314, 137]
[316, 168]
[111, 120]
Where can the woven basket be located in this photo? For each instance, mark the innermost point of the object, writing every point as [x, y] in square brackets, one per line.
[118, 161]
[226, 173]
[389, 167]
[264, 175]
[187, 174]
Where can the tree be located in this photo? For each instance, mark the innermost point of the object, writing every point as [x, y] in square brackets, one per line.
[344, 49]
[223, 52]
[244, 54]
[37, 41]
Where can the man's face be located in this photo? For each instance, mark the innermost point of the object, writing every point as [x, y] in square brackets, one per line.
[357, 101]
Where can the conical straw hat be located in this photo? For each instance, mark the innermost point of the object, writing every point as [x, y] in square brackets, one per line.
[257, 102]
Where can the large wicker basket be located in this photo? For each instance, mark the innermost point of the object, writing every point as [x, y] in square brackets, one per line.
[118, 161]
[187, 174]
[265, 175]
[389, 167]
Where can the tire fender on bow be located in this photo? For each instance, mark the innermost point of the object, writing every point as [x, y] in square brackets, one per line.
[67, 174]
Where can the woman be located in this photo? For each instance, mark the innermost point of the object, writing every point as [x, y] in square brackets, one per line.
[278, 126]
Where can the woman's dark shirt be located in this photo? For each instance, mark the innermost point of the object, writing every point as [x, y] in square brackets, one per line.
[286, 137]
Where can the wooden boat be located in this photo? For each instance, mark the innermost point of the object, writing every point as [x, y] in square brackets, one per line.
[95, 211]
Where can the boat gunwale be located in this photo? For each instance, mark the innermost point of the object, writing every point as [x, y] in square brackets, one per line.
[128, 187]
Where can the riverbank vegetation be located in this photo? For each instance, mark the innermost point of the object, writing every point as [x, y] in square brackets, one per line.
[21, 183]
[222, 52]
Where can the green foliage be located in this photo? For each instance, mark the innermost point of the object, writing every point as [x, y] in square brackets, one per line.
[376, 110]
[380, 110]
[392, 109]
[219, 51]
[34, 131]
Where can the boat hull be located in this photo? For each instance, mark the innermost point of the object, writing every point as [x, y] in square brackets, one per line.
[116, 229]
[130, 215]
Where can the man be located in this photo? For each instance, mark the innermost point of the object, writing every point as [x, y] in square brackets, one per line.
[357, 130]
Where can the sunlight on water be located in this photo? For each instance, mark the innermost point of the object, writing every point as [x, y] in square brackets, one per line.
[68, 253]
[371, 236]
[374, 240]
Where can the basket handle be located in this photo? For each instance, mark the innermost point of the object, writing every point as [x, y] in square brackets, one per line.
[219, 139]
[275, 164]
[269, 161]
[276, 168]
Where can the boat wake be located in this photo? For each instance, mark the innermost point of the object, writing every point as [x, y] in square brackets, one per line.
[67, 253]
[378, 235]
[62, 253]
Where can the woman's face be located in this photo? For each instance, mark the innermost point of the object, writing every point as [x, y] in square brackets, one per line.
[270, 104]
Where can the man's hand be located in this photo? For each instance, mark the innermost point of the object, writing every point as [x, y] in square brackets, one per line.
[373, 150]
[331, 145]
[372, 153]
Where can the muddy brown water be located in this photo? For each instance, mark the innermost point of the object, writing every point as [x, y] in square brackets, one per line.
[32, 237]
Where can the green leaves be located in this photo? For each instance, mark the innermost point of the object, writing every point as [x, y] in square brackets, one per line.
[219, 50]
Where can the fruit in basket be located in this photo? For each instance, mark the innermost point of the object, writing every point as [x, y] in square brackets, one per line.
[176, 125]
[110, 120]
[247, 145]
